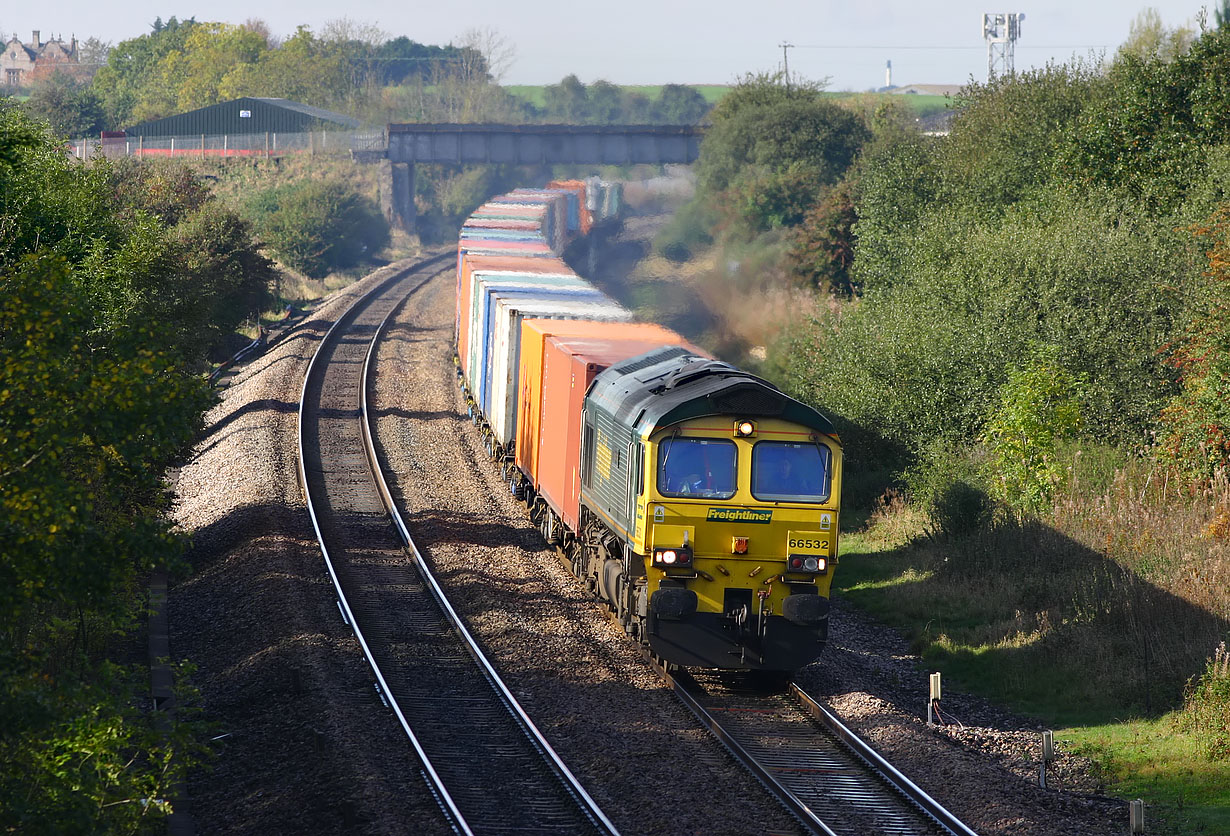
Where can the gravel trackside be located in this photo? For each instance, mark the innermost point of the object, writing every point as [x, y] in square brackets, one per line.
[308, 747]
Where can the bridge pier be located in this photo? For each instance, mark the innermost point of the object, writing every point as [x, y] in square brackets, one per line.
[397, 194]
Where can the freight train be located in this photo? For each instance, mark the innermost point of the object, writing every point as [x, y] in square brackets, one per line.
[698, 501]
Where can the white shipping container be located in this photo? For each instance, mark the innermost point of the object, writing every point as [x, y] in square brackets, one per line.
[505, 364]
[476, 303]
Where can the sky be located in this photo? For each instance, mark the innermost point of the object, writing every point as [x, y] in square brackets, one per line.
[847, 42]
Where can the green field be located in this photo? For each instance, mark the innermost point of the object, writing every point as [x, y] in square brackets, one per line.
[921, 105]
[535, 93]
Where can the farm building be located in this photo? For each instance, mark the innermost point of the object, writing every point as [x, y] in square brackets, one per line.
[248, 115]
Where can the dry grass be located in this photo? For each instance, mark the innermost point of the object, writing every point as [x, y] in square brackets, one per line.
[1103, 610]
[1172, 534]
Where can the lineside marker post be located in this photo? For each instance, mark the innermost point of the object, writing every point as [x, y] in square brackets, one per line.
[933, 704]
[1048, 755]
[1136, 816]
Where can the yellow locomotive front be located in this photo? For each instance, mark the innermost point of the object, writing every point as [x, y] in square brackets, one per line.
[733, 521]
[739, 536]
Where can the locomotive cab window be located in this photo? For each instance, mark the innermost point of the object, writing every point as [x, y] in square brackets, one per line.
[697, 467]
[789, 472]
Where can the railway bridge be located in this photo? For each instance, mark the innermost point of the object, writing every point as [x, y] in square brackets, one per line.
[410, 144]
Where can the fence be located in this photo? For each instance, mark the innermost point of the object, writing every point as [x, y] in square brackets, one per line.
[235, 145]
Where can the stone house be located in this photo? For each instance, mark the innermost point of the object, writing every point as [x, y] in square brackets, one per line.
[23, 64]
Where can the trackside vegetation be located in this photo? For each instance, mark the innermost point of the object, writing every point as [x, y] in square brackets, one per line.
[113, 283]
[1020, 330]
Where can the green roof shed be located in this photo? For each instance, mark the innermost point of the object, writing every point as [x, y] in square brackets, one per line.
[248, 115]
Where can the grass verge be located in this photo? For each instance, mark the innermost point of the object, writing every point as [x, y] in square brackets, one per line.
[1090, 621]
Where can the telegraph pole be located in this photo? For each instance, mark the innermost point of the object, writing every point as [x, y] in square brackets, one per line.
[785, 45]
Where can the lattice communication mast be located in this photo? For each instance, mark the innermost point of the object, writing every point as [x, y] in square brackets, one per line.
[1001, 29]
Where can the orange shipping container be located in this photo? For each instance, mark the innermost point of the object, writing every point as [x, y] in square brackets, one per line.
[577, 187]
[534, 333]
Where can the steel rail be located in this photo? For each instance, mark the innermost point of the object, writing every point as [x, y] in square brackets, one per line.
[789, 800]
[877, 762]
[448, 806]
[539, 742]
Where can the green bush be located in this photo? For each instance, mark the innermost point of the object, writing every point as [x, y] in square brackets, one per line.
[926, 356]
[1038, 406]
[317, 226]
[947, 484]
[1206, 706]
[689, 230]
[1196, 422]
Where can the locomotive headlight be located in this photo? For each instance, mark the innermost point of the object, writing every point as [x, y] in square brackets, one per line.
[672, 557]
[745, 429]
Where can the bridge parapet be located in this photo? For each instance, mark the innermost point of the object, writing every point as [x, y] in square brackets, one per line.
[539, 144]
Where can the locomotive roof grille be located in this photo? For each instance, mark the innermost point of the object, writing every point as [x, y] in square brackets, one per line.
[636, 364]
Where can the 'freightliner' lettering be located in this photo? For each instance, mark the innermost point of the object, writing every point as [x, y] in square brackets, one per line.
[747, 515]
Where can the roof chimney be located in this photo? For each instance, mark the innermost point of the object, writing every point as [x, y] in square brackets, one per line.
[36, 43]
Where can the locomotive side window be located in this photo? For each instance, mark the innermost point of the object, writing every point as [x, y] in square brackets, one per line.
[788, 472]
[640, 469]
[697, 467]
[587, 456]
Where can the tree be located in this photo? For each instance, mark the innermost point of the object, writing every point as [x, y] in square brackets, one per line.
[73, 109]
[89, 420]
[129, 84]
[822, 252]
[568, 101]
[679, 104]
[605, 104]
[95, 402]
[1221, 13]
[1007, 135]
[1196, 421]
[1149, 37]
[485, 53]
[772, 148]
[211, 52]
[216, 277]
[1038, 406]
[1146, 135]
[93, 52]
[400, 59]
[317, 226]
[301, 69]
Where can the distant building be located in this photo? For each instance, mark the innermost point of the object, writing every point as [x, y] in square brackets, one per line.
[248, 115]
[926, 89]
[23, 64]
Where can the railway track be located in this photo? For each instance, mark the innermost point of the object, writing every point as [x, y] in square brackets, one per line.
[485, 762]
[831, 780]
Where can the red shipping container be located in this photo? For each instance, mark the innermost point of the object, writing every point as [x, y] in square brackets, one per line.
[570, 364]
